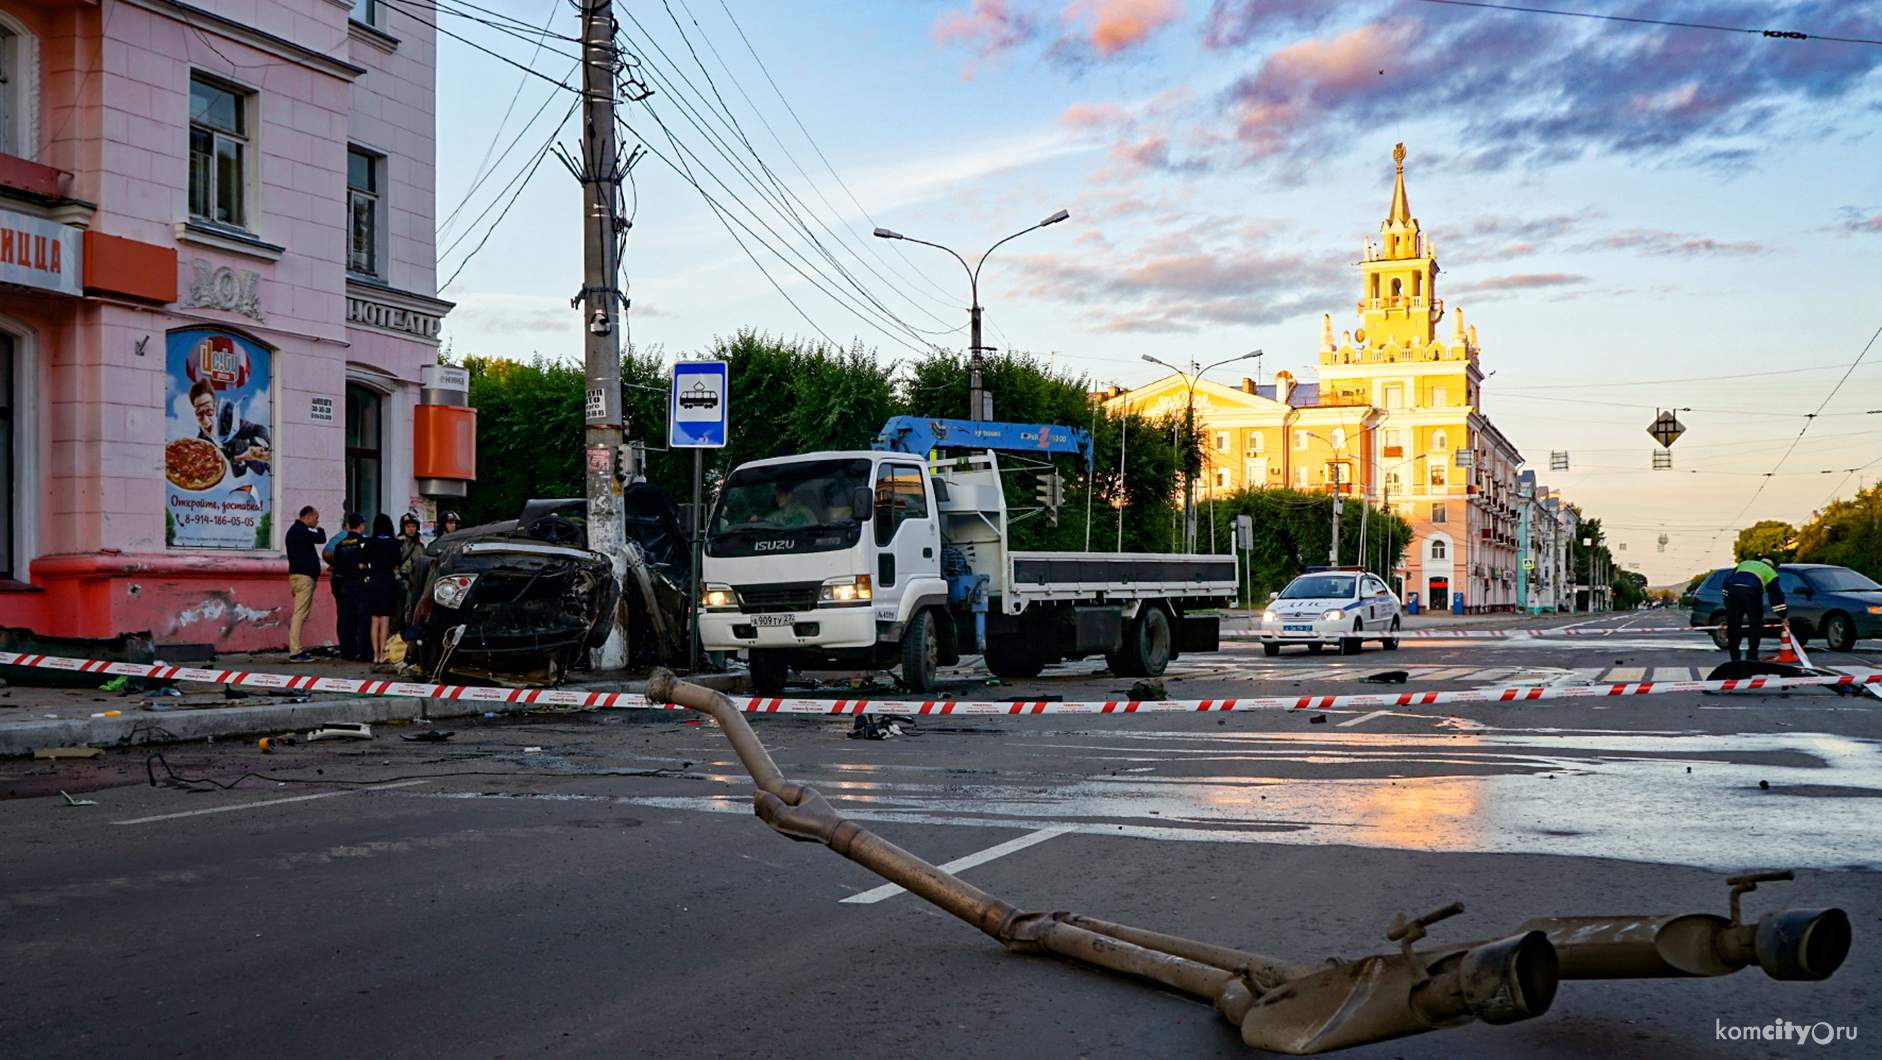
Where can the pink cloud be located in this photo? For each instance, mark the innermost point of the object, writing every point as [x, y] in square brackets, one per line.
[990, 27]
[1521, 281]
[1111, 26]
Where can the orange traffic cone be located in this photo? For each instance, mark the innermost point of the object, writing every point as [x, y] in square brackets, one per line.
[1788, 651]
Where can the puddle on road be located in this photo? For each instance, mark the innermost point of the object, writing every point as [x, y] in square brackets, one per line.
[1619, 795]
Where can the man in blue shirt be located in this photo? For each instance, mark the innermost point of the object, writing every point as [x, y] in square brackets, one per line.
[303, 569]
[1745, 591]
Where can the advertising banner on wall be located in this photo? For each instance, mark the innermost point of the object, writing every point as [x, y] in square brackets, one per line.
[218, 446]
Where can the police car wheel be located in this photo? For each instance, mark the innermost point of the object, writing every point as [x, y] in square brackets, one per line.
[1391, 643]
[1270, 649]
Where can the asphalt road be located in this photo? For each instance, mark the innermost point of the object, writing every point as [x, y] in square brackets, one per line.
[609, 894]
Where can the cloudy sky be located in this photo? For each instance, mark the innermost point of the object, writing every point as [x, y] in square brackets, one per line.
[1633, 216]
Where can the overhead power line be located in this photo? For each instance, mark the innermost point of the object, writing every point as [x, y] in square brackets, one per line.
[1772, 34]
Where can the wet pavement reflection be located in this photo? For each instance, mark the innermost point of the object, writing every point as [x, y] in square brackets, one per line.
[1804, 800]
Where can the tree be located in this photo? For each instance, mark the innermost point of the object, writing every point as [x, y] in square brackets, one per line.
[1630, 590]
[1767, 537]
[1847, 533]
[529, 435]
[1293, 531]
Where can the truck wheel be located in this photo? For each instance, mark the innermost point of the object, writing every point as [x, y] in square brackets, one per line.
[768, 670]
[1147, 644]
[1718, 635]
[919, 650]
[1270, 649]
[1352, 645]
[1009, 657]
[1839, 633]
[1391, 643]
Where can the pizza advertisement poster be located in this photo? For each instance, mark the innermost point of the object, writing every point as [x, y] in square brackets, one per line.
[218, 451]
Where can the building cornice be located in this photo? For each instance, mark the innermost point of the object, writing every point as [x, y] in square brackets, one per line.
[260, 40]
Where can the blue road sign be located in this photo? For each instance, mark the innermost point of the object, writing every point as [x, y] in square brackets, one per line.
[696, 406]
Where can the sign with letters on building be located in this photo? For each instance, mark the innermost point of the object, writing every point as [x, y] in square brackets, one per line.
[35, 252]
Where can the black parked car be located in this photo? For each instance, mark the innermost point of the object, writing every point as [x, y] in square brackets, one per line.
[517, 602]
[1835, 603]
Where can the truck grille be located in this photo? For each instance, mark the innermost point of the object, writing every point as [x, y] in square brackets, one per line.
[782, 596]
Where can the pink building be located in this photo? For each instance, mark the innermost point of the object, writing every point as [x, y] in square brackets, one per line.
[217, 291]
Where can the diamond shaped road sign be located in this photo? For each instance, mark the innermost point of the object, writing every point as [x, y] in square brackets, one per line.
[1666, 429]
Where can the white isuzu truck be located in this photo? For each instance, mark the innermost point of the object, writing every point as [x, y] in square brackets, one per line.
[900, 556]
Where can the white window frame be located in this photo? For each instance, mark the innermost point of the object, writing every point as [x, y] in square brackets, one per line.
[1440, 478]
[1439, 398]
[1222, 478]
[1438, 549]
[368, 13]
[19, 96]
[1256, 442]
[1300, 476]
[26, 461]
[251, 153]
[1300, 439]
[1439, 514]
[1394, 395]
[1222, 441]
[1440, 442]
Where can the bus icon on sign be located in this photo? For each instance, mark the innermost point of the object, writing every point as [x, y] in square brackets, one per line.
[699, 397]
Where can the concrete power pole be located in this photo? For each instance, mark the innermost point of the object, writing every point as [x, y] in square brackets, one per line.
[1333, 553]
[602, 306]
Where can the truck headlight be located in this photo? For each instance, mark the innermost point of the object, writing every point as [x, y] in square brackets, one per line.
[1334, 615]
[845, 590]
[450, 591]
[716, 597]
[1269, 616]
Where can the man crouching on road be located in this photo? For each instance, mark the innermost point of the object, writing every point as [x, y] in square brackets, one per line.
[1744, 606]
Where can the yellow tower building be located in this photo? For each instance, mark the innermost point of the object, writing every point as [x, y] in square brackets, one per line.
[1395, 418]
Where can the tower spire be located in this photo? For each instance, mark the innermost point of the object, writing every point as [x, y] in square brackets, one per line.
[1401, 208]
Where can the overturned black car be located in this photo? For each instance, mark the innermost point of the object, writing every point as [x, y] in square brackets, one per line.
[517, 602]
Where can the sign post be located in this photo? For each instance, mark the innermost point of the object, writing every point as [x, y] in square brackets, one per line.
[697, 420]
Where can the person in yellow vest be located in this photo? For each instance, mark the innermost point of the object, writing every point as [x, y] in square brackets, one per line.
[1745, 592]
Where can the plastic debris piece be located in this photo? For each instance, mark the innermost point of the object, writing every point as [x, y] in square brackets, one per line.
[428, 736]
[108, 714]
[343, 731]
[70, 801]
[531, 750]
[116, 684]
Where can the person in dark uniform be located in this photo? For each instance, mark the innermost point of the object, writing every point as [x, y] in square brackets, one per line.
[1745, 591]
[346, 555]
[446, 524]
[382, 583]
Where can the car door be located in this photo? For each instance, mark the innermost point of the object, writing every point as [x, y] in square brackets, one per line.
[907, 535]
[1384, 606]
[1803, 604]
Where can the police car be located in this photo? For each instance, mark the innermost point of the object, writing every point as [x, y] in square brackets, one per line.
[1343, 607]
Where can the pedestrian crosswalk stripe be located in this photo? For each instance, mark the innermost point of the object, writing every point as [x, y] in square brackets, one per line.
[1627, 674]
[1673, 673]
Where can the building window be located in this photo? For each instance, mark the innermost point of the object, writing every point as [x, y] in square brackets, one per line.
[1254, 443]
[1391, 480]
[8, 500]
[366, 12]
[1221, 441]
[218, 154]
[1437, 475]
[1300, 478]
[1221, 479]
[364, 413]
[1439, 442]
[1395, 396]
[1300, 439]
[362, 209]
[1437, 513]
[1437, 549]
[1339, 438]
[1438, 399]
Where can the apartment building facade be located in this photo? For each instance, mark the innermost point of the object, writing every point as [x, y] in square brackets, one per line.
[228, 300]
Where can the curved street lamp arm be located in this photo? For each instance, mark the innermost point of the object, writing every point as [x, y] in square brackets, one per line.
[1054, 219]
[971, 280]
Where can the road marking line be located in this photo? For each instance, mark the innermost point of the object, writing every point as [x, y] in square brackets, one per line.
[270, 802]
[1673, 673]
[1368, 717]
[1626, 675]
[890, 890]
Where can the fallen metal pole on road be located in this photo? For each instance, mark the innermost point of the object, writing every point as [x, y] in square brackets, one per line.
[1288, 1007]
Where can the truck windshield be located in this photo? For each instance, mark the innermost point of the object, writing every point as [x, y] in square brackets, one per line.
[780, 500]
[1320, 587]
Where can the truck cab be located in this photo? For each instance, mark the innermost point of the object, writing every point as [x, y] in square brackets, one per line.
[872, 559]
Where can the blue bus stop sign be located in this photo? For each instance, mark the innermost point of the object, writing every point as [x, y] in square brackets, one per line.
[696, 405]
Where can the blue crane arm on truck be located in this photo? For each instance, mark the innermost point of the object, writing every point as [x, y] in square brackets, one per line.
[919, 436]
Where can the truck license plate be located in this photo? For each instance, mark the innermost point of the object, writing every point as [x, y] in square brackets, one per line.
[773, 620]
[1297, 629]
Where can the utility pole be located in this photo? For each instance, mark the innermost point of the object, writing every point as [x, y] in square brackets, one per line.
[1333, 553]
[601, 307]
[976, 388]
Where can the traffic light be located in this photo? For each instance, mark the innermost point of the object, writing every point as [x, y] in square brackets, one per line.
[1051, 493]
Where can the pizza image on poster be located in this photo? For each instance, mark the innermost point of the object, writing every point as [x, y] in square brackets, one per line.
[218, 452]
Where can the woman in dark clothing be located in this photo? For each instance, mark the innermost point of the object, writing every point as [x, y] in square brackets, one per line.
[382, 586]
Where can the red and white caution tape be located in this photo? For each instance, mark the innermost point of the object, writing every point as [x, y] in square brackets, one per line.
[1450, 634]
[552, 697]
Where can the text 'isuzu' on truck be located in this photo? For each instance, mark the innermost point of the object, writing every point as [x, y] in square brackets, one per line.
[899, 556]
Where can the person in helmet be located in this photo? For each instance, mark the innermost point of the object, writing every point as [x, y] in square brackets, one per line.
[447, 522]
[1745, 591]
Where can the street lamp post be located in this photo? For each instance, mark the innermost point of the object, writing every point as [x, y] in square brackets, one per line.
[1192, 377]
[977, 398]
